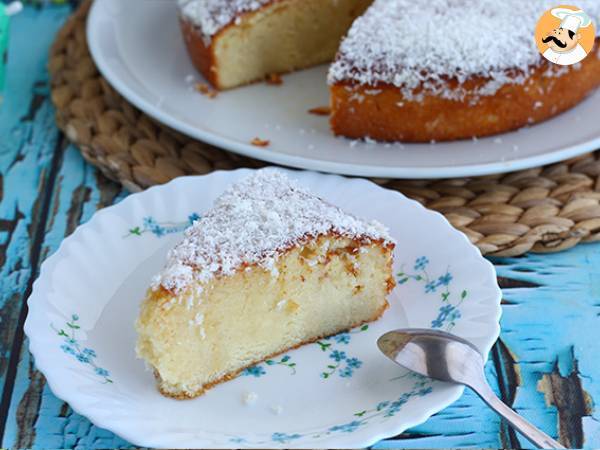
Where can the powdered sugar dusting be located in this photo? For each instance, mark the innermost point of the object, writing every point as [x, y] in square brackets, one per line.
[212, 15]
[417, 46]
[251, 223]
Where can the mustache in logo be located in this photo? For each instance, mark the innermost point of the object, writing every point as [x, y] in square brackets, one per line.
[556, 41]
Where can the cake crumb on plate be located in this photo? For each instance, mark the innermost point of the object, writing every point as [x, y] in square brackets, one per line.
[258, 142]
[274, 79]
[206, 90]
[276, 409]
[320, 111]
[250, 398]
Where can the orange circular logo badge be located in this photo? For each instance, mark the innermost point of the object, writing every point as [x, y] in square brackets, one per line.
[565, 35]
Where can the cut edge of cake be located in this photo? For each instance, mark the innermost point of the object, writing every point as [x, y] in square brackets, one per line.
[169, 390]
[235, 46]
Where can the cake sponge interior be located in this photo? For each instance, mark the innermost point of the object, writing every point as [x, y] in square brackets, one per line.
[284, 36]
[202, 337]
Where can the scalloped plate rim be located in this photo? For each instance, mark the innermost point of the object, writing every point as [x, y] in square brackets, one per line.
[388, 429]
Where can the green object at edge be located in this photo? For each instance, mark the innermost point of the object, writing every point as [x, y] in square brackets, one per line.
[4, 23]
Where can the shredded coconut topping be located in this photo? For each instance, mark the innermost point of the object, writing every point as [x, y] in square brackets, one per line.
[212, 15]
[281, 304]
[276, 409]
[250, 398]
[419, 45]
[253, 222]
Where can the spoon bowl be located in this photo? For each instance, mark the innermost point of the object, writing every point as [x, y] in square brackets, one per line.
[422, 350]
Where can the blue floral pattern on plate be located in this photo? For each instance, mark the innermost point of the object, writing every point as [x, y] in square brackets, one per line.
[383, 410]
[259, 369]
[85, 355]
[282, 438]
[160, 229]
[341, 362]
[449, 310]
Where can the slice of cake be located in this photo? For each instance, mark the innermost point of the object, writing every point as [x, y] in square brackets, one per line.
[235, 42]
[270, 267]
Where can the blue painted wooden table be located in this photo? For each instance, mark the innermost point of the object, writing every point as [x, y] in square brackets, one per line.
[546, 364]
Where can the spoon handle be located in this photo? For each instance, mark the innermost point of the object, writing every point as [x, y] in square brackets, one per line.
[533, 434]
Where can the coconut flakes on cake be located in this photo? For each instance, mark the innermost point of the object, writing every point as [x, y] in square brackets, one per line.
[212, 15]
[253, 222]
[414, 45]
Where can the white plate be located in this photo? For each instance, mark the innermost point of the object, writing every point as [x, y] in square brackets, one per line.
[138, 47]
[92, 286]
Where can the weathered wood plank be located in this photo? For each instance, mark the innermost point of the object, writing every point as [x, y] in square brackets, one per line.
[553, 333]
[550, 327]
[562, 388]
[508, 379]
[28, 139]
[36, 417]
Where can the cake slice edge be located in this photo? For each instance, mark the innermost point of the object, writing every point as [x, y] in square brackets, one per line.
[269, 267]
[357, 301]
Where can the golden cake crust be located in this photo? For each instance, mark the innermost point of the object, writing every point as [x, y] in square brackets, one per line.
[201, 54]
[382, 112]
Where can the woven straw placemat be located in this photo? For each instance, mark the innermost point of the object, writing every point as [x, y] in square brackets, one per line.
[546, 209]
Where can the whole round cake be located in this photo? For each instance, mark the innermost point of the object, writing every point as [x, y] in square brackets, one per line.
[404, 70]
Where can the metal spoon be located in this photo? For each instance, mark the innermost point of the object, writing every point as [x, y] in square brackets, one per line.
[445, 357]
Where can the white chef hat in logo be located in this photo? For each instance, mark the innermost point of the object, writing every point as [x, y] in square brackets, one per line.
[572, 20]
